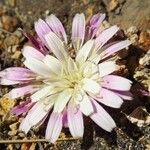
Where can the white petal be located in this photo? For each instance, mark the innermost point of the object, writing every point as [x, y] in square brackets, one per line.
[54, 127]
[56, 26]
[42, 93]
[37, 113]
[105, 36]
[24, 125]
[8, 82]
[106, 68]
[78, 31]
[31, 52]
[86, 106]
[115, 48]
[34, 116]
[91, 86]
[21, 91]
[90, 69]
[62, 100]
[75, 121]
[109, 98]
[52, 63]
[83, 53]
[116, 83]
[102, 118]
[71, 66]
[37, 66]
[56, 46]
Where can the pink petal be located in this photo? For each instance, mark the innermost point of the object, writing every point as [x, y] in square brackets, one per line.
[126, 95]
[75, 121]
[105, 36]
[56, 26]
[42, 28]
[116, 83]
[17, 74]
[78, 31]
[95, 23]
[37, 113]
[86, 106]
[115, 48]
[32, 39]
[37, 66]
[109, 98]
[24, 125]
[54, 127]
[102, 118]
[22, 108]
[8, 82]
[65, 119]
[36, 43]
[18, 92]
[34, 116]
[31, 52]
[56, 45]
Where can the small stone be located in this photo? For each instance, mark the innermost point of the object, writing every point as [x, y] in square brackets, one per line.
[11, 40]
[145, 61]
[13, 126]
[113, 5]
[144, 39]
[132, 30]
[18, 33]
[16, 55]
[12, 133]
[9, 23]
[12, 2]
[134, 39]
[6, 104]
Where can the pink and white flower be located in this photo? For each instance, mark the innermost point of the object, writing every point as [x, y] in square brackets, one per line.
[66, 88]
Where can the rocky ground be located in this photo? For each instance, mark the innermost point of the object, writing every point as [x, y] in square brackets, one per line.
[133, 119]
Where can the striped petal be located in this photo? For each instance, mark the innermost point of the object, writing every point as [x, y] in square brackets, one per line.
[17, 74]
[102, 118]
[18, 92]
[95, 23]
[4, 81]
[78, 31]
[54, 127]
[105, 36]
[42, 28]
[37, 66]
[57, 27]
[126, 95]
[106, 68]
[75, 121]
[116, 83]
[53, 64]
[62, 100]
[56, 45]
[115, 48]
[31, 52]
[42, 93]
[91, 86]
[83, 53]
[109, 98]
[86, 106]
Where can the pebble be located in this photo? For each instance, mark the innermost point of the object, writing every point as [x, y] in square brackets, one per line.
[144, 40]
[12, 2]
[9, 23]
[11, 40]
[16, 55]
[132, 30]
[113, 5]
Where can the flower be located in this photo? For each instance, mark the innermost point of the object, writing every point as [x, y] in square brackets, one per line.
[66, 86]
